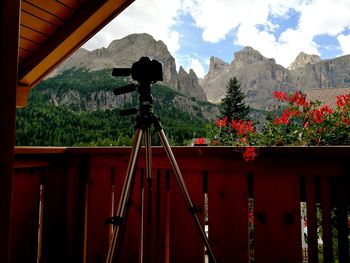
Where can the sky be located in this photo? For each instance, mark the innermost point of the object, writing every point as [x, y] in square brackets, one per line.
[195, 30]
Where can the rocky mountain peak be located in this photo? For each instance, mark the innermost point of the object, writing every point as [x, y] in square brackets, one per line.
[216, 65]
[248, 56]
[188, 84]
[302, 59]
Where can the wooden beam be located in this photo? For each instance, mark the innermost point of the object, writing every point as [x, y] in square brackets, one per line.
[93, 16]
[9, 34]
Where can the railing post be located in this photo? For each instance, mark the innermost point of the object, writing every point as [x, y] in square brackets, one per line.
[277, 216]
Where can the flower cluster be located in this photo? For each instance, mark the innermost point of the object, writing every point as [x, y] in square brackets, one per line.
[221, 122]
[294, 121]
[243, 127]
[237, 134]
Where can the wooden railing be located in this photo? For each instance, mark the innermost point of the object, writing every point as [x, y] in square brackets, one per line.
[62, 198]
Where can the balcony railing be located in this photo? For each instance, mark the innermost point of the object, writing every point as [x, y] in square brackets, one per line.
[62, 198]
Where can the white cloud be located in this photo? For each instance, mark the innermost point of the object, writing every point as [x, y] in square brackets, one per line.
[192, 62]
[198, 68]
[344, 41]
[317, 17]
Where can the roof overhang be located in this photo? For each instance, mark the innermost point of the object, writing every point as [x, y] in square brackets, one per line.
[50, 31]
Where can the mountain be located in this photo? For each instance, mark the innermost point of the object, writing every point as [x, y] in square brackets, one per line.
[257, 75]
[260, 76]
[122, 53]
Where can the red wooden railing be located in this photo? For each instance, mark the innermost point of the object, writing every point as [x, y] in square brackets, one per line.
[77, 189]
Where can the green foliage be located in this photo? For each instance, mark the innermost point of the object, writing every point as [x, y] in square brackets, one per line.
[44, 124]
[295, 121]
[233, 106]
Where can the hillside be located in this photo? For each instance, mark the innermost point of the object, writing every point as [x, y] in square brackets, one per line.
[78, 107]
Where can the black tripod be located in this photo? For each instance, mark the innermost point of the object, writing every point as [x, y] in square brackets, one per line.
[145, 119]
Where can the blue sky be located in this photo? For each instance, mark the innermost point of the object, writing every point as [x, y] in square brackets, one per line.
[195, 30]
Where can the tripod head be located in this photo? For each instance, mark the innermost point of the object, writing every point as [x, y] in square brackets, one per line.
[145, 72]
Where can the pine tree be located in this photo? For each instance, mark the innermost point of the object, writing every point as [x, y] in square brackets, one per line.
[233, 106]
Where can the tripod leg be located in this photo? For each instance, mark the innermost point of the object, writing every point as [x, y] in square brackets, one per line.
[148, 155]
[185, 193]
[125, 194]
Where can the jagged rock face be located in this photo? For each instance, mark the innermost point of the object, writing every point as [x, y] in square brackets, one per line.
[101, 100]
[216, 78]
[123, 53]
[303, 59]
[257, 75]
[187, 83]
[331, 73]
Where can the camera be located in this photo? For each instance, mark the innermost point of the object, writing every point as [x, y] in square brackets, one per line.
[143, 70]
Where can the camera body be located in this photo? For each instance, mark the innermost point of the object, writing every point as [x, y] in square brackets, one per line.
[143, 70]
[147, 70]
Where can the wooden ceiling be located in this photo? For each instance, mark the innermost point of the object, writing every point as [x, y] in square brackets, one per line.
[51, 30]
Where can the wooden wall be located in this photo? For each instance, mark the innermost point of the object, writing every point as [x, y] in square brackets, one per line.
[9, 32]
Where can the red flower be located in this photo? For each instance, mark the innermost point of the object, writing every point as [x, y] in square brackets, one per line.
[200, 140]
[343, 100]
[345, 121]
[298, 98]
[280, 95]
[249, 154]
[326, 109]
[284, 119]
[221, 122]
[318, 116]
[243, 127]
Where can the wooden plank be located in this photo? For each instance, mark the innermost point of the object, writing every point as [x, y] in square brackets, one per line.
[311, 219]
[28, 45]
[156, 219]
[35, 11]
[24, 53]
[54, 247]
[72, 4]
[186, 244]
[76, 184]
[53, 7]
[33, 35]
[228, 216]
[342, 202]
[37, 24]
[25, 216]
[99, 209]
[131, 234]
[326, 220]
[150, 217]
[163, 211]
[277, 217]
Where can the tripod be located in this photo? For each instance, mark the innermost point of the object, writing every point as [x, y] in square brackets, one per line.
[145, 119]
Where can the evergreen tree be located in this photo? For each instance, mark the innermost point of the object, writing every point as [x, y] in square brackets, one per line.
[233, 106]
